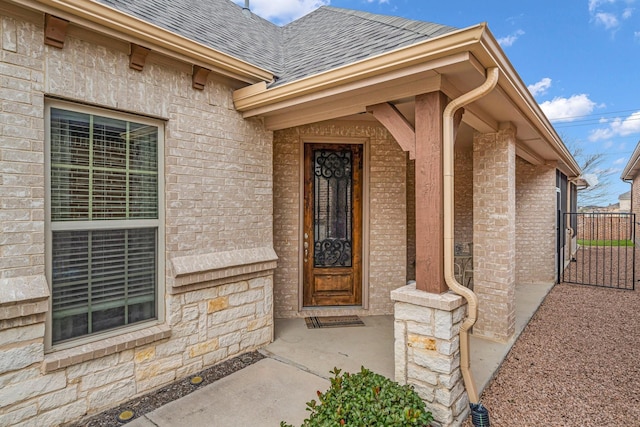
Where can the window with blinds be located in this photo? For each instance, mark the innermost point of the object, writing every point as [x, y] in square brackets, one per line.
[104, 223]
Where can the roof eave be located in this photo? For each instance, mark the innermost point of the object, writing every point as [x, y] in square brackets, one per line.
[492, 55]
[91, 12]
[478, 40]
[259, 96]
[631, 168]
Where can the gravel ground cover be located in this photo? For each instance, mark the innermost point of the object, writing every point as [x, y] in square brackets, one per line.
[608, 266]
[176, 390]
[577, 363]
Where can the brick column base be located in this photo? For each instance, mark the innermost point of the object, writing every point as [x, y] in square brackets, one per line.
[427, 351]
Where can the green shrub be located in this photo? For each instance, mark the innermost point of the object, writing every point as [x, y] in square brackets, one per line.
[366, 399]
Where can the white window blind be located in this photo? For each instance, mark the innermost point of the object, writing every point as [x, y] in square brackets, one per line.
[103, 186]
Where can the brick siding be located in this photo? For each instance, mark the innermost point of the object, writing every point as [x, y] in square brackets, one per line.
[386, 215]
[218, 199]
[535, 223]
[494, 233]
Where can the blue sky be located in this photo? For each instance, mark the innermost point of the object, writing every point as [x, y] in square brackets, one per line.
[580, 59]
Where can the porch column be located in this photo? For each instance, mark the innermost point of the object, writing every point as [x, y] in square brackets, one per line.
[494, 232]
[536, 223]
[429, 187]
[427, 351]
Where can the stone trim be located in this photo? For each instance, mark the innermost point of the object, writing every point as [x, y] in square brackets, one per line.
[212, 267]
[63, 358]
[23, 296]
[409, 294]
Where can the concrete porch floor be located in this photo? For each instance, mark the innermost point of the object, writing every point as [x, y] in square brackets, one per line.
[298, 364]
[318, 351]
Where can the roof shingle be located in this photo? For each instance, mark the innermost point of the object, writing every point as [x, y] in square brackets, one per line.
[323, 40]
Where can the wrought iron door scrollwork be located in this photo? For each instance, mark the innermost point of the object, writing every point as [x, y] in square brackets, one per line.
[333, 253]
[330, 164]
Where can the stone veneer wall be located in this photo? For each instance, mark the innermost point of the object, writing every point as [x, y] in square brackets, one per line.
[535, 223]
[494, 233]
[218, 225]
[427, 351]
[386, 217]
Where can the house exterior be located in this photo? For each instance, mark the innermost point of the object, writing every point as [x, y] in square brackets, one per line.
[173, 179]
[630, 175]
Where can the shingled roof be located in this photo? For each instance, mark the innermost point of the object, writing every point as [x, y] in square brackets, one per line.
[325, 39]
[331, 37]
[218, 24]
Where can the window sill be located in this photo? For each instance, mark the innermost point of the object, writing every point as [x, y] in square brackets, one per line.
[23, 297]
[213, 268]
[83, 353]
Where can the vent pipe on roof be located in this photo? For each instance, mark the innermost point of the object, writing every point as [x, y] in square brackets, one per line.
[246, 9]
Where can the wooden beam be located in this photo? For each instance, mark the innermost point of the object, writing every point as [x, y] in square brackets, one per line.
[199, 79]
[397, 125]
[429, 193]
[138, 56]
[55, 31]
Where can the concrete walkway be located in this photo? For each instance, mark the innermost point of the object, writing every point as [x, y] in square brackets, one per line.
[298, 364]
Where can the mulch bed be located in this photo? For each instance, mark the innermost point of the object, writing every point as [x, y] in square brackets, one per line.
[147, 403]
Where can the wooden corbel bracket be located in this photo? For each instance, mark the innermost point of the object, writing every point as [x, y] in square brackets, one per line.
[138, 56]
[200, 75]
[55, 31]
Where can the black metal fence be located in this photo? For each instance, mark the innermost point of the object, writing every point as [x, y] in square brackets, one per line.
[599, 249]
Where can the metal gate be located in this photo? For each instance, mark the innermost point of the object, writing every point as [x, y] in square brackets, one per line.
[598, 249]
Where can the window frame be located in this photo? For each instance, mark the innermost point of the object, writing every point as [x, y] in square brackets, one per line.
[51, 226]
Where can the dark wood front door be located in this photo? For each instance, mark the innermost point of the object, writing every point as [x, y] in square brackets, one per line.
[332, 235]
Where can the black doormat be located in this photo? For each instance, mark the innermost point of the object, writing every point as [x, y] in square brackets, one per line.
[332, 322]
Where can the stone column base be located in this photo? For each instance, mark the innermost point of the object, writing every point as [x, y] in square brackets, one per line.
[427, 351]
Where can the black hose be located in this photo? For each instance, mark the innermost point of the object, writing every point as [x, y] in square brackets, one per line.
[479, 415]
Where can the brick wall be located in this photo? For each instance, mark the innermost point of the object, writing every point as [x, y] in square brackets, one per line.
[386, 216]
[635, 195]
[218, 225]
[535, 223]
[463, 204]
[463, 195]
[411, 219]
[494, 233]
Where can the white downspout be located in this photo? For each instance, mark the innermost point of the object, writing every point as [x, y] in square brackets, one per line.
[452, 283]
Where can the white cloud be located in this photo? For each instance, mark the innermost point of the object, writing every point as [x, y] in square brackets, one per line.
[541, 87]
[594, 4]
[610, 13]
[510, 39]
[618, 127]
[620, 161]
[608, 20]
[378, 1]
[568, 109]
[283, 11]
[636, 35]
